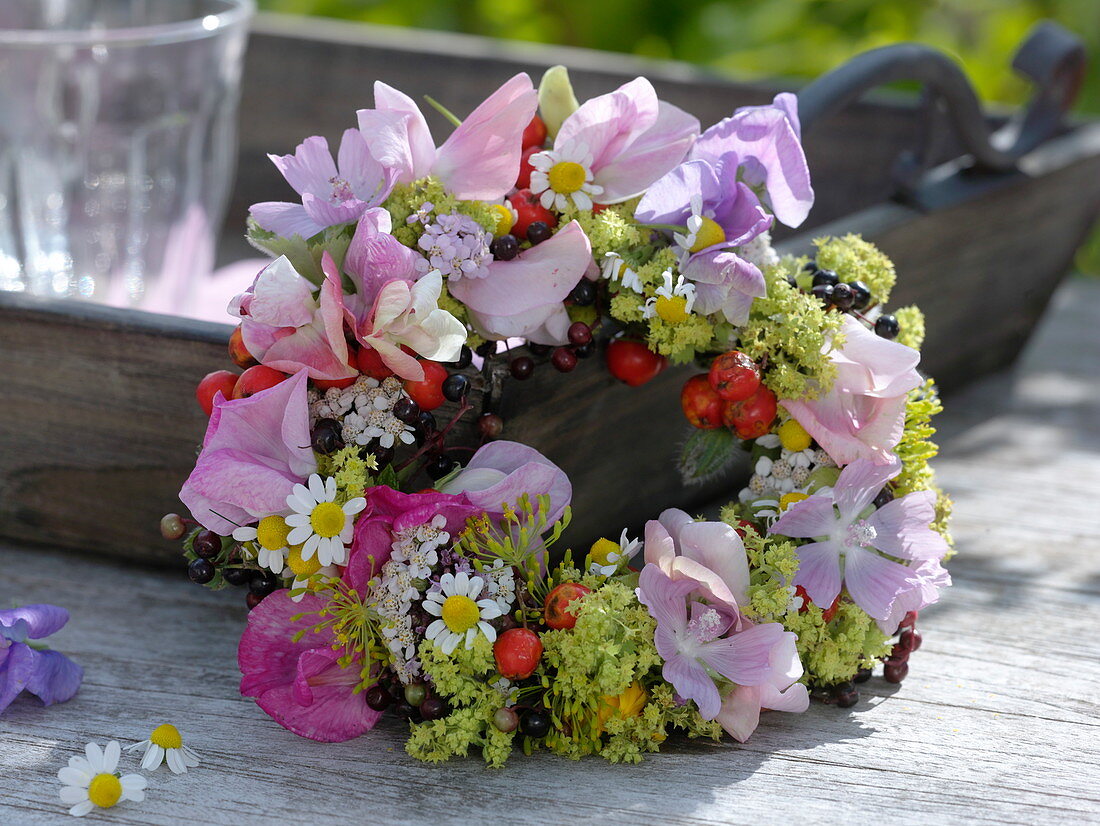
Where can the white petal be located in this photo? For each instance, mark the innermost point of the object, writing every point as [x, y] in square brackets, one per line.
[175, 762]
[133, 782]
[190, 757]
[471, 635]
[488, 631]
[73, 777]
[299, 535]
[73, 794]
[301, 493]
[81, 809]
[462, 583]
[353, 506]
[245, 534]
[476, 586]
[386, 439]
[451, 643]
[489, 608]
[432, 607]
[547, 199]
[317, 487]
[435, 629]
[330, 488]
[152, 757]
[447, 583]
[95, 757]
[582, 200]
[296, 520]
[407, 437]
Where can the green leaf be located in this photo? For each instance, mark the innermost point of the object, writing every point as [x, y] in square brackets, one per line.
[706, 454]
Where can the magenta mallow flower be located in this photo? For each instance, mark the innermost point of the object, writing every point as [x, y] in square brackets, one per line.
[863, 414]
[49, 675]
[852, 539]
[479, 161]
[612, 148]
[502, 471]
[255, 451]
[764, 143]
[299, 683]
[695, 573]
[718, 213]
[287, 327]
[523, 297]
[332, 193]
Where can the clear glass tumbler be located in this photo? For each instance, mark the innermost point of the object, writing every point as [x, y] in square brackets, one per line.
[117, 144]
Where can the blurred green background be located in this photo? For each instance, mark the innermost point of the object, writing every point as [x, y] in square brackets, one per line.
[757, 38]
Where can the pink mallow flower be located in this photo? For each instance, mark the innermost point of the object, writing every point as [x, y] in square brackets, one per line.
[851, 538]
[767, 143]
[479, 161]
[863, 414]
[299, 683]
[612, 148]
[332, 193]
[523, 297]
[255, 451]
[394, 306]
[695, 573]
[287, 327]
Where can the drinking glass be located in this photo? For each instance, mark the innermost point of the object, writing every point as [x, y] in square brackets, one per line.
[117, 144]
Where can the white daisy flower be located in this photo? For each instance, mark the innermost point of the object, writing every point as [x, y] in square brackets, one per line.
[563, 175]
[608, 556]
[673, 302]
[269, 541]
[303, 570]
[461, 614]
[615, 269]
[702, 232]
[165, 745]
[91, 780]
[318, 524]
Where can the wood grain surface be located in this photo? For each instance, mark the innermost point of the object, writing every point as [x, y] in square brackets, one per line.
[997, 723]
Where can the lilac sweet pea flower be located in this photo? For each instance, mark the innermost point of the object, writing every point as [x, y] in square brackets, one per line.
[719, 212]
[286, 327]
[501, 472]
[694, 574]
[479, 161]
[49, 675]
[332, 193]
[848, 546]
[255, 450]
[766, 142]
[863, 413]
[612, 148]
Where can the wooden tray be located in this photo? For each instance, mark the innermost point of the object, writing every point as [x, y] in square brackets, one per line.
[99, 428]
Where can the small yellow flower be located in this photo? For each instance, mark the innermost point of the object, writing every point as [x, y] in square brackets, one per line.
[628, 704]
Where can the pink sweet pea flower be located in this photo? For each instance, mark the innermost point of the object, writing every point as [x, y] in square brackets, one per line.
[694, 574]
[501, 472]
[332, 193]
[255, 450]
[612, 148]
[479, 161]
[300, 684]
[523, 297]
[766, 140]
[848, 548]
[286, 327]
[863, 413]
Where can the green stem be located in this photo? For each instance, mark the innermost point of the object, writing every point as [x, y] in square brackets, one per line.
[443, 110]
[670, 227]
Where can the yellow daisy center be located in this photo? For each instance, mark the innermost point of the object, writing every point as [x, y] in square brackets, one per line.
[504, 219]
[272, 532]
[708, 235]
[566, 177]
[302, 568]
[788, 499]
[104, 790]
[793, 436]
[673, 310]
[327, 519]
[602, 549]
[166, 736]
[460, 613]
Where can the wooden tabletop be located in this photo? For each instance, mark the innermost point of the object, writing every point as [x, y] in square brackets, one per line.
[998, 721]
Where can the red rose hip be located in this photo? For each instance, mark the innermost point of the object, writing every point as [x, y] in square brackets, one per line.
[557, 611]
[255, 379]
[734, 376]
[701, 403]
[238, 352]
[428, 393]
[753, 417]
[535, 133]
[632, 363]
[211, 383]
[517, 653]
[528, 210]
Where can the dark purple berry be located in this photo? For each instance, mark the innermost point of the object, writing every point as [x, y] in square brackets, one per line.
[862, 676]
[824, 292]
[201, 571]
[842, 297]
[487, 349]
[327, 436]
[538, 231]
[887, 327]
[206, 544]
[382, 455]
[455, 387]
[490, 425]
[810, 265]
[404, 709]
[252, 600]
[564, 360]
[885, 496]
[910, 639]
[438, 466]
[847, 697]
[505, 248]
[861, 295]
[585, 350]
[579, 333]
[465, 358]
[539, 349]
[535, 723]
[237, 576]
[433, 708]
[406, 410]
[262, 583]
[895, 672]
[825, 277]
[898, 654]
[522, 367]
[583, 294]
[823, 694]
[377, 698]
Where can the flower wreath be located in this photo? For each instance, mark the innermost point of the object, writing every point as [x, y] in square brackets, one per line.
[384, 576]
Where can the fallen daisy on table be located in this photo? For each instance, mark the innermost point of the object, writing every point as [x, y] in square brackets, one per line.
[91, 781]
[165, 745]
